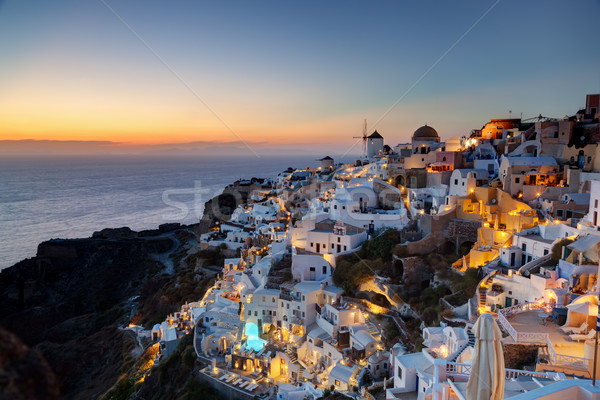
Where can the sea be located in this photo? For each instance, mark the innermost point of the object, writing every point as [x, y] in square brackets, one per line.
[72, 197]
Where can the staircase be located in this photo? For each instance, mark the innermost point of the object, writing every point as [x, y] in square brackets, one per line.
[293, 355]
[301, 374]
[483, 287]
[373, 330]
[471, 336]
[482, 295]
[470, 343]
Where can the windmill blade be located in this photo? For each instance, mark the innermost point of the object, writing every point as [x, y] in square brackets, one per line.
[365, 137]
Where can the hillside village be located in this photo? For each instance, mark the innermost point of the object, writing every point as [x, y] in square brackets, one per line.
[366, 278]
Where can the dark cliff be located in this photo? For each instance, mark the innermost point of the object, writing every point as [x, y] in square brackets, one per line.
[69, 301]
[220, 207]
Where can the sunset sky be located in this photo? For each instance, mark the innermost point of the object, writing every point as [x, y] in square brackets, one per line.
[284, 73]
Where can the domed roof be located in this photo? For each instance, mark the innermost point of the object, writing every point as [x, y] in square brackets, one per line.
[425, 133]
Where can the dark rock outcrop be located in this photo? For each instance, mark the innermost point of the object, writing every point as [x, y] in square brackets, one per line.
[68, 301]
[220, 207]
[24, 373]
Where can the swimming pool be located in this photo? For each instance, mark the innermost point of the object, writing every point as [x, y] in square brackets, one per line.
[254, 341]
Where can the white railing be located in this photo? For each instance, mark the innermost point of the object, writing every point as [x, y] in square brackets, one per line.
[523, 307]
[537, 337]
[453, 368]
[531, 337]
[562, 359]
[507, 326]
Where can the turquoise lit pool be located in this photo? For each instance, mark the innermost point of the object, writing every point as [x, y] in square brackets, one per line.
[254, 341]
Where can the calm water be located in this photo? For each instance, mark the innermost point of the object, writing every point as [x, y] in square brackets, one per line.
[42, 199]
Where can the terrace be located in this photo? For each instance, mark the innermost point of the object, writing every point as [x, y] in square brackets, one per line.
[527, 323]
[245, 384]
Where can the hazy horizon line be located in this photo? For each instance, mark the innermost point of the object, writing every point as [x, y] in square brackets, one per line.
[52, 147]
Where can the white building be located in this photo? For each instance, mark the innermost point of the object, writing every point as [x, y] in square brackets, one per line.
[306, 267]
[513, 170]
[343, 377]
[594, 204]
[464, 181]
[374, 145]
[332, 237]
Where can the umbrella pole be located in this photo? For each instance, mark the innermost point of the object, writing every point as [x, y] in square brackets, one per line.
[597, 328]
[595, 356]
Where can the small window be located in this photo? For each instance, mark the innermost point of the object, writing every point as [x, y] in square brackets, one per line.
[249, 312]
[456, 181]
[517, 180]
[324, 269]
[343, 207]
[546, 251]
[335, 207]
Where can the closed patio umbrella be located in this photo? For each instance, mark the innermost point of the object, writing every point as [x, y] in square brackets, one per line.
[486, 381]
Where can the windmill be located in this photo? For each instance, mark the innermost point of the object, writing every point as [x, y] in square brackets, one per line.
[540, 118]
[363, 137]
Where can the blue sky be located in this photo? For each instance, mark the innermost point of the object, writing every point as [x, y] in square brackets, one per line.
[287, 73]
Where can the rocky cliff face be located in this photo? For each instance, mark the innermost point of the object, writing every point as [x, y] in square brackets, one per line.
[24, 373]
[220, 207]
[68, 301]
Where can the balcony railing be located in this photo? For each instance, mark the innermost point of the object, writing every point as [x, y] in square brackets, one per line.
[453, 368]
[562, 359]
[288, 297]
[523, 337]
[537, 337]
